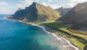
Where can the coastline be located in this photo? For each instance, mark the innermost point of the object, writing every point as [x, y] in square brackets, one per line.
[67, 45]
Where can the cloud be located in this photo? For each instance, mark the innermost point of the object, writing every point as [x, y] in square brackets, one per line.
[24, 3]
[3, 3]
[51, 3]
[78, 1]
[6, 8]
[71, 3]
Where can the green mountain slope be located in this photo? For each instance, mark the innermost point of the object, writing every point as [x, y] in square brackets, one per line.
[79, 39]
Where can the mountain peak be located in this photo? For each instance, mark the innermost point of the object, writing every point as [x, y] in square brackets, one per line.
[34, 4]
[36, 13]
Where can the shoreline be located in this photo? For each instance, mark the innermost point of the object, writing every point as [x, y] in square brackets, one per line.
[66, 43]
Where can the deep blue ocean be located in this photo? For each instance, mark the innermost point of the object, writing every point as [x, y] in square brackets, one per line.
[15, 35]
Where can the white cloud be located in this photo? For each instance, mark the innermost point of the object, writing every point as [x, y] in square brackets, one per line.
[24, 3]
[78, 1]
[6, 11]
[72, 3]
[6, 8]
[50, 1]
[3, 3]
[54, 6]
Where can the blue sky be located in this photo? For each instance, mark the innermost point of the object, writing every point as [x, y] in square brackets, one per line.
[10, 6]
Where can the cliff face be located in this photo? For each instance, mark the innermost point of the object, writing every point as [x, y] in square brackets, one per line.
[63, 11]
[77, 17]
[36, 13]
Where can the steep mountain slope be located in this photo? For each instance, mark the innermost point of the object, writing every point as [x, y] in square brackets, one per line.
[77, 17]
[36, 13]
[63, 11]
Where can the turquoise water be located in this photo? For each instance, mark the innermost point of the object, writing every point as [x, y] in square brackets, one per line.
[18, 36]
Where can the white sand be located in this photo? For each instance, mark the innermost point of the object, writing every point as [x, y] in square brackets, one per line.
[66, 45]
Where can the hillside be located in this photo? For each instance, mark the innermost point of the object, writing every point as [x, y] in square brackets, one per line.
[72, 26]
[63, 11]
[77, 17]
[36, 13]
[79, 39]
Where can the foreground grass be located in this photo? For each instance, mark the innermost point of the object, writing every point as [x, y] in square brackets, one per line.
[76, 38]
[76, 42]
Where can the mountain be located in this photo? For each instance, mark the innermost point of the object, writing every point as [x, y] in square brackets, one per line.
[36, 13]
[77, 17]
[63, 11]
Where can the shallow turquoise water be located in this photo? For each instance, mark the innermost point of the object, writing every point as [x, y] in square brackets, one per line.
[18, 36]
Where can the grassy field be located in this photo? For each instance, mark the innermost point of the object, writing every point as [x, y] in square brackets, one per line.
[79, 39]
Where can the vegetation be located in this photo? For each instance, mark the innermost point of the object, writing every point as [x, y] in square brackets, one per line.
[77, 38]
[36, 13]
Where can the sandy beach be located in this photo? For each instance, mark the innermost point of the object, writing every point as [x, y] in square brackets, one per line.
[66, 45]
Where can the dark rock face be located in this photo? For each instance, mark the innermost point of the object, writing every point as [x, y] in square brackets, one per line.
[19, 14]
[76, 16]
[26, 13]
[36, 13]
[32, 12]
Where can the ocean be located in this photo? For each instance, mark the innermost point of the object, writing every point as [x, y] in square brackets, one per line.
[15, 35]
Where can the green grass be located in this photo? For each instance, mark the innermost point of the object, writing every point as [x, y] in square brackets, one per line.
[77, 38]
[54, 24]
[76, 42]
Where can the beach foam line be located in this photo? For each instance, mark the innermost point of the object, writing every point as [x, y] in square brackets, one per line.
[53, 34]
[60, 38]
[65, 40]
[70, 44]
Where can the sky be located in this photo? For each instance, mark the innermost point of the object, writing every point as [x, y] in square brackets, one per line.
[11, 6]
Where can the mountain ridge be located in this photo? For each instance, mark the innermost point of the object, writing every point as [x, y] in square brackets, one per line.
[36, 13]
[76, 17]
[63, 11]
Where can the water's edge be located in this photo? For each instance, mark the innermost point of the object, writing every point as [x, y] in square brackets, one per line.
[60, 38]
[53, 34]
